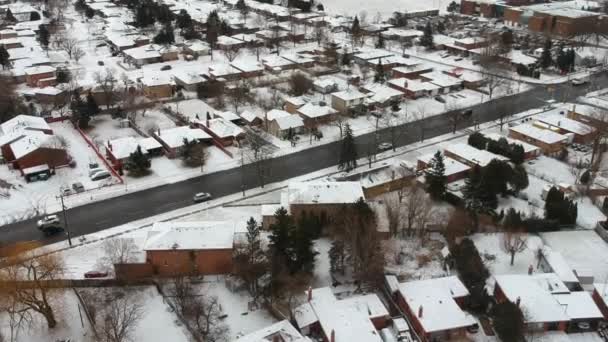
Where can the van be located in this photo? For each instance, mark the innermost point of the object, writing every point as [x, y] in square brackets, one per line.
[78, 187]
[101, 175]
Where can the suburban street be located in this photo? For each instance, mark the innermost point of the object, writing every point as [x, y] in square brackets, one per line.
[119, 210]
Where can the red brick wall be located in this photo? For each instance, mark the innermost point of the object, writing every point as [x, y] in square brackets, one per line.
[600, 303]
[467, 7]
[183, 262]
[32, 80]
[51, 156]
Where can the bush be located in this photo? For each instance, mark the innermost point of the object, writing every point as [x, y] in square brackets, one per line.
[300, 84]
[515, 152]
[539, 225]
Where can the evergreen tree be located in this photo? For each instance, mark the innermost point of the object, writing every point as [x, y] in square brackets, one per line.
[303, 246]
[474, 199]
[508, 322]
[44, 36]
[512, 220]
[435, 177]
[9, 17]
[427, 36]
[560, 208]
[250, 259]
[91, 106]
[165, 36]
[562, 59]
[519, 178]
[337, 257]
[380, 42]
[138, 163]
[585, 177]
[80, 114]
[545, 58]
[183, 20]
[348, 151]
[240, 5]
[571, 57]
[213, 28]
[453, 7]
[89, 12]
[380, 76]
[63, 75]
[440, 27]
[355, 30]
[4, 58]
[495, 177]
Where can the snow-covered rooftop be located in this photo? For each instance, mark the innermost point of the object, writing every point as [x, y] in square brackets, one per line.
[579, 305]
[559, 265]
[283, 329]
[223, 128]
[190, 235]
[291, 121]
[275, 114]
[143, 52]
[536, 295]
[452, 166]
[33, 141]
[434, 300]
[544, 135]
[349, 95]
[123, 147]
[23, 122]
[312, 110]
[174, 137]
[573, 126]
[441, 79]
[317, 192]
[470, 153]
[381, 93]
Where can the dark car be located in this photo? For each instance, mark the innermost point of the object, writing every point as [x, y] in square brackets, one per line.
[165, 67]
[95, 274]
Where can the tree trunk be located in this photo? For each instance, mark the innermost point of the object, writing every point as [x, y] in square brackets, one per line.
[50, 317]
[512, 257]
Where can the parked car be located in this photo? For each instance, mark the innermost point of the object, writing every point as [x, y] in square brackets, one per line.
[95, 274]
[94, 171]
[385, 146]
[165, 67]
[78, 187]
[65, 191]
[100, 175]
[49, 220]
[439, 99]
[473, 329]
[579, 81]
[201, 197]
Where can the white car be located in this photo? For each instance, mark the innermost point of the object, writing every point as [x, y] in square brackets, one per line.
[49, 220]
[579, 81]
[201, 197]
[385, 146]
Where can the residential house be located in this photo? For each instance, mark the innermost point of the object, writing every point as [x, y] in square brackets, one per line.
[382, 179]
[276, 63]
[589, 115]
[151, 53]
[40, 76]
[292, 104]
[248, 68]
[454, 170]
[346, 100]
[434, 307]
[530, 151]
[325, 86]
[445, 82]
[35, 149]
[279, 122]
[322, 198]
[224, 72]
[282, 331]
[157, 86]
[471, 156]
[583, 134]
[119, 150]
[251, 119]
[316, 114]
[413, 88]
[11, 43]
[190, 248]
[547, 301]
[412, 72]
[222, 131]
[357, 318]
[382, 95]
[226, 42]
[190, 81]
[196, 48]
[549, 142]
[172, 139]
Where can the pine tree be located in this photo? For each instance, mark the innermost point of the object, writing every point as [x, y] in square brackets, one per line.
[512, 220]
[427, 36]
[440, 27]
[279, 241]
[355, 30]
[89, 12]
[91, 106]
[9, 17]
[560, 208]
[138, 163]
[337, 257]
[435, 177]
[165, 36]
[380, 76]
[562, 59]
[44, 36]
[302, 246]
[452, 7]
[4, 58]
[240, 5]
[545, 58]
[348, 152]
[183, 20]
[250, 259]
[213, 28]
[519, 178]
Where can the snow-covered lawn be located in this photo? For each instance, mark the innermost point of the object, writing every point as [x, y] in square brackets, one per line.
[498, 260]
[409, 259]
[584, 250]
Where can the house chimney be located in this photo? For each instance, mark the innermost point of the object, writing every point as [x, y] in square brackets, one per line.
[333, 336]
[530, 270]
[518, 301]
[420, 311]
[309, 293]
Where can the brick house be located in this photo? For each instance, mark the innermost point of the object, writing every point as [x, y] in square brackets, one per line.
[413, 88]
[356, 318]
[583, 134]
[119, 150]
[157, 87]
[589, 115]
[172, 139]
[548, 141]
[454, 170]
[39, 76]
[186, 248]
[434, 307]
[565, 19]
[471, 156]
[221, 130]
[547, 301]
[281, 331]
[344, 101]
[279, 122]
[37, 148]
[323, 199]
[530, 151]
[316, 114]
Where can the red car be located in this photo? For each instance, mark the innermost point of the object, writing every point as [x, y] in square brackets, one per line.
[95, 274]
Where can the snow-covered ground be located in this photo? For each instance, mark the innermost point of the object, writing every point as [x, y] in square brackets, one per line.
[498, 260]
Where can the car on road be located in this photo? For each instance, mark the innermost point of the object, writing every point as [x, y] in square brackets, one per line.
[49, 220]
[201, 197]
[385, 146]
[95, 274]
[579, 81]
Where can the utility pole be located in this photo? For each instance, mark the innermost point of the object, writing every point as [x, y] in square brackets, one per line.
[65, 219]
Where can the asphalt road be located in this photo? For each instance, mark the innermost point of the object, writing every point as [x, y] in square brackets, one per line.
[119, 210]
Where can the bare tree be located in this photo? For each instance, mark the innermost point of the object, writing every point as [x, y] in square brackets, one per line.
[240, 95]
[69, 45]
[77, 53]
[418, 210]
[419, 115]
[19, 318]
[231, 52]
[392, 208]
[205, 313]
[259, 154]
[119, 316]
[514, 242]
[320, 34]
[339, 122]
[107, 83]
[29, 265]
[392, 123]
[118, 251]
